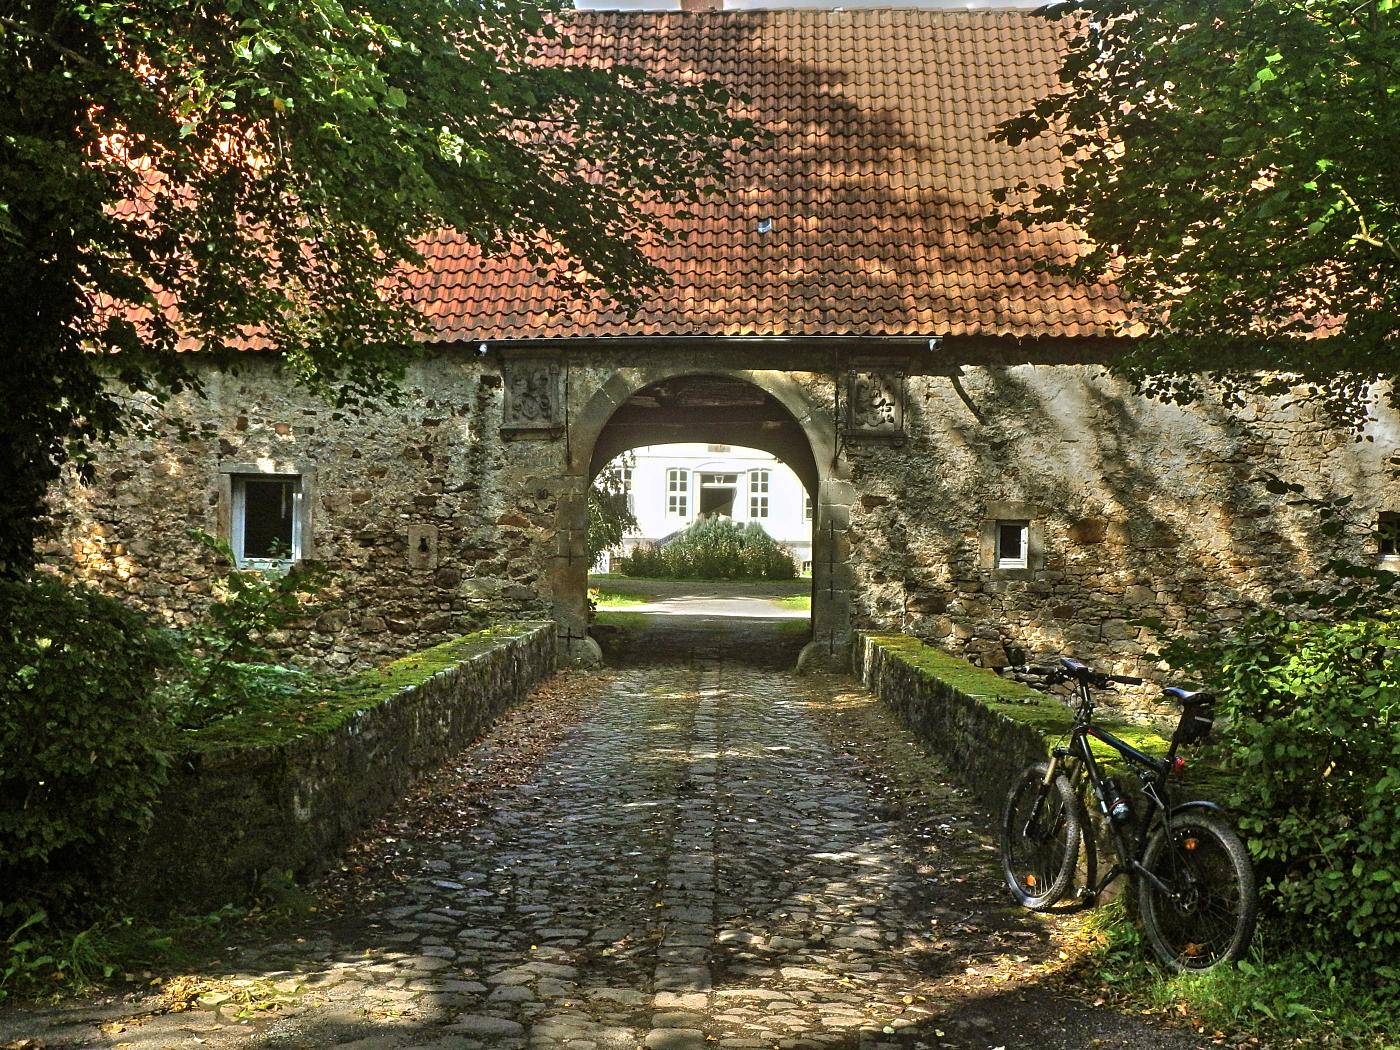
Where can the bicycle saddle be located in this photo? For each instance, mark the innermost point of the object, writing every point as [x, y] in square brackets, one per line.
[1186, 696]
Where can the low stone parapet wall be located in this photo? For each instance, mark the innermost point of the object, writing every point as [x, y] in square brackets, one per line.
[986, 728]
[231, 817]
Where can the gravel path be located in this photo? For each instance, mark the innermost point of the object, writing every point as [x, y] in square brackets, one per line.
[711, 855]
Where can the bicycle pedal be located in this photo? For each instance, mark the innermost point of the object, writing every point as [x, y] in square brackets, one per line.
[1086, 895]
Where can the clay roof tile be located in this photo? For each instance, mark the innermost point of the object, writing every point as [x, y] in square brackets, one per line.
[880, 164]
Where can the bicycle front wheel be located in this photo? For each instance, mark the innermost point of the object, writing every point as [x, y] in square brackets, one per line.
[1208, 916]
[1042, 826]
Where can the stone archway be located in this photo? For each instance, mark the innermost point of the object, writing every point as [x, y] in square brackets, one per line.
[760, 409]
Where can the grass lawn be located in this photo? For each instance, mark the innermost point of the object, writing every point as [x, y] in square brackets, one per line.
[794, 601]
[599, 596]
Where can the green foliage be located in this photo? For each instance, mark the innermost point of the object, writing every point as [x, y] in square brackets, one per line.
[37, 956]
[1232, 166]
[1280, 992]
[1311, 737]
[224, 666]
[290, 159]
[609, 516]
[715, 549]
[270, 717]
[82, 739]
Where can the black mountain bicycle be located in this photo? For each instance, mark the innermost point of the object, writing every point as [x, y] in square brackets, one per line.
[1194, 880]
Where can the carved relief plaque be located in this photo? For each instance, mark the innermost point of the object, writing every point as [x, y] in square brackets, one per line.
[534, 396]
[875, 406]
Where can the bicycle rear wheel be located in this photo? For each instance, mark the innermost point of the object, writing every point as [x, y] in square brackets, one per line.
[1208, 918]
[1042, 826]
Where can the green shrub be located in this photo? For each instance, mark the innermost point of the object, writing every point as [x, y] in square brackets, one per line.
[609, 516]
[224, 666]
[81, 741]
[714, 549]
[1311, 733]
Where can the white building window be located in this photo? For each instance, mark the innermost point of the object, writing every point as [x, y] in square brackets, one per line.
[1013, 544]
[677, 492]
[807, 507]
[627, 490]
[758, 493]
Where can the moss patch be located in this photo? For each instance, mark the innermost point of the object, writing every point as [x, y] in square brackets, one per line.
[275, 720]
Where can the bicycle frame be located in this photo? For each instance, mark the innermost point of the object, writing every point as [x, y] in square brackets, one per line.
[1152, 774]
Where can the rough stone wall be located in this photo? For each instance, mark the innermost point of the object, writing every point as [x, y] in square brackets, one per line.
[1145, 511]
[229, 818]
[954, 722]
[1140, 510]
[434, 464]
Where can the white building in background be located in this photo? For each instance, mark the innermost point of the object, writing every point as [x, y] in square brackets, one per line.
[671, 486]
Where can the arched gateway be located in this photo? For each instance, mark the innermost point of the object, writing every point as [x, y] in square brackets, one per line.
[664, 403]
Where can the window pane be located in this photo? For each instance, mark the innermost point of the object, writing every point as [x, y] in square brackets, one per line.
[1011, 542]
[267, 518]
[1388, 533]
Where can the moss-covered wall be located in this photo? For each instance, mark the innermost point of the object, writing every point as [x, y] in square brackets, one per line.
[232, 814]
[987, 728]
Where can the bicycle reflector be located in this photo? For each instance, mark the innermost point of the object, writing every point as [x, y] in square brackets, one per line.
[1178, 764]
[1191, 843]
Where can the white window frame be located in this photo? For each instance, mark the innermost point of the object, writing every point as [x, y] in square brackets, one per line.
[1387, 524]
[759, 485]
[807, 506]
[1023, 532]
[233, 479]
[677, 492]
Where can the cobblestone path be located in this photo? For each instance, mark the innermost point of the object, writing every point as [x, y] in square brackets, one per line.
[713, 856]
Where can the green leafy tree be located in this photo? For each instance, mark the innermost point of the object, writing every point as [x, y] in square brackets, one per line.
[609, 515]
[259, 170]
[1232, 167]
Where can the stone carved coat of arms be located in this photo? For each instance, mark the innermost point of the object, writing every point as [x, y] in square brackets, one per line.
[874, 405]
[533, 398]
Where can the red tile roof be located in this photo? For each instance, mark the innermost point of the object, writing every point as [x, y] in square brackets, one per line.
[880, 163]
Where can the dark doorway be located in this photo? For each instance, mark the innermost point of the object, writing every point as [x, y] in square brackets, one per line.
[717, 494]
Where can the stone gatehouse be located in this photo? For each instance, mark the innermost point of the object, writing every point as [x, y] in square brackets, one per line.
[977, 478]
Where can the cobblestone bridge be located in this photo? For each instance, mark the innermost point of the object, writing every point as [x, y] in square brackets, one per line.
[706, 854]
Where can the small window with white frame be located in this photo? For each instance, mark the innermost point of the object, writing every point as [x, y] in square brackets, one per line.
[1012, 544]
[759, 481]
[677, 492]
[807, 507]
[266, 515]
[1388, 536]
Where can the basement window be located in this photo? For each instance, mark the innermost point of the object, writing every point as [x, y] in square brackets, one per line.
[1013, 544]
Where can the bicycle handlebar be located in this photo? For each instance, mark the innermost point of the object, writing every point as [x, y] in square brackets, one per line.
[1074, 669]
